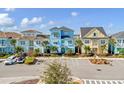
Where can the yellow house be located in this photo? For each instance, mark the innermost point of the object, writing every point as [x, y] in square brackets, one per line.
[96, 38]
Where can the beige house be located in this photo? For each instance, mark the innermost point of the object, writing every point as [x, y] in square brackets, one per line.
[96, 38]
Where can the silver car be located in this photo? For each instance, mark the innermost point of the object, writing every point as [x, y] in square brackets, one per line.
[10, 60]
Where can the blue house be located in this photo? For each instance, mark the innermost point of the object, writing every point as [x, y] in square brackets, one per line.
[5, 38]
[62, 38]
[31, 40]
[118, 48]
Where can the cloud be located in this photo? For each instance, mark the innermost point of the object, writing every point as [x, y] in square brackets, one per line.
[51, 22]
[110, 25]
[43, 25]
[5, 20]
[34, 21]
[74, 13]
[9, 9]
[12, 28]
[87, 24]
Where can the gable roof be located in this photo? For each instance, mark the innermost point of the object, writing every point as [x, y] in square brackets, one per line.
[118, 35]
[61, 28]
[30, 31]
[85, 30]
[32, 38]
[9, 34]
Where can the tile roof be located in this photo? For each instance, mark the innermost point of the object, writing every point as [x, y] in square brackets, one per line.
[118, 35]
[61, 28]
[32, 38]
[9, 34]
[30, 31]
[85, 30]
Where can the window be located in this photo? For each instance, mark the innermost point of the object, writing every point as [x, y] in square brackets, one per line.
[123, 41]
[55, 43]
[86, 41]
[70, 42]
[3, 42]
[31, 43]
[38, 42]
[56, 34]
[63, 41]
[119, 41]
[22, 42]
[94, 34]
[102, 41]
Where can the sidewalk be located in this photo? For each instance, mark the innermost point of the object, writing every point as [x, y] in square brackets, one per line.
[9, 80]
[85, 58]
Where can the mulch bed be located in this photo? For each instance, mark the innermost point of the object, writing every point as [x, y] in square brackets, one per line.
[99, 61]
[32, 81]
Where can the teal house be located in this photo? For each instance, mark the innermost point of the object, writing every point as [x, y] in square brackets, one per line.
[118, 47]
[62, 38]
[5, 38]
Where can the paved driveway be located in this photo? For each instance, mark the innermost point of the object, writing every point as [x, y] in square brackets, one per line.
[79, 67]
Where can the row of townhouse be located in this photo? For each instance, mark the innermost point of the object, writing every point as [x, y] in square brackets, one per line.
[64, 39]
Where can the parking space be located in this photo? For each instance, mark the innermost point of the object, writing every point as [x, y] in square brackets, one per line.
[80, 68]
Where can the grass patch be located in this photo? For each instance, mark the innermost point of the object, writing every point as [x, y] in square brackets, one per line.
[118, 56]
[5, 56]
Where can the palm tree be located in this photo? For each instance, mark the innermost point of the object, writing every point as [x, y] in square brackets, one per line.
[13, 42]
[54, 49]
[45, 44]
[78, 44]
[103, 47]
[87, 49]
[19, 49]
[37, 51]
[112, 43]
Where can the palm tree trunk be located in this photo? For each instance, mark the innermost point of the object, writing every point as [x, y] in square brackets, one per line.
[78, 50]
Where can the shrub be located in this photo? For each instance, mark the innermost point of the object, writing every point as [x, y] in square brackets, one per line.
[36, 52]
[29, 60]
[56, 73]
[54, 55]
[69, 52]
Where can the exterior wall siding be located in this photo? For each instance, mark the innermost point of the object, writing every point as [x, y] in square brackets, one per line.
[62, 40]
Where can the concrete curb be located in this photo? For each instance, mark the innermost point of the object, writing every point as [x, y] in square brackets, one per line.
[9, 80]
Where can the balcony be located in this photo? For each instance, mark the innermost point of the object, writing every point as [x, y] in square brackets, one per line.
[65, 36]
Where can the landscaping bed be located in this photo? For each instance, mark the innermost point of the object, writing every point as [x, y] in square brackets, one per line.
[30, 60]
[31, 81]
[99, 61]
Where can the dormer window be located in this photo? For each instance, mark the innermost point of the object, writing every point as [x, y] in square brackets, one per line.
[94, 34]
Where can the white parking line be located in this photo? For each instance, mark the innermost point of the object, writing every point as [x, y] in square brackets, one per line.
[91, 81]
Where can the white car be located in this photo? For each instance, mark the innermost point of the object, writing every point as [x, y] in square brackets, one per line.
[10, 60]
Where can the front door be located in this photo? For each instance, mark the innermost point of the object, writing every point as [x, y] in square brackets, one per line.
[63, 50]
[94, 50]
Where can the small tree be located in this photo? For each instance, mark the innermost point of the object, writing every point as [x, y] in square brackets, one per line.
[87, 49]
[103, 48]
[45, 44]
[56, 73]
[36, 52]
[13, 43]
[78, 44]
[112, 43]
[69, 52]
[54, 49]
[19, 50]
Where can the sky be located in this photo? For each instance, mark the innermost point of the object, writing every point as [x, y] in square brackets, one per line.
[42, 19]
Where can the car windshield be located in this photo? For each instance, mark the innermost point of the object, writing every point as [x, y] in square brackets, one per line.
[10, 58]
[20, 58]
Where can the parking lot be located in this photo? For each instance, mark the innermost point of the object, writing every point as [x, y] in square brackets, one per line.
[80, 68]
